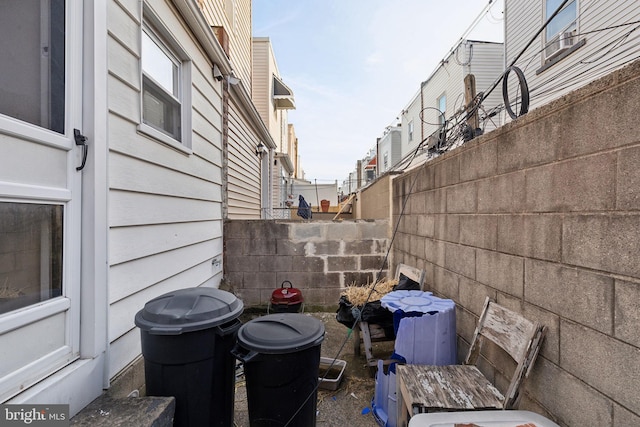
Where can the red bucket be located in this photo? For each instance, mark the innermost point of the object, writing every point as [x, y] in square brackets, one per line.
[286, 299]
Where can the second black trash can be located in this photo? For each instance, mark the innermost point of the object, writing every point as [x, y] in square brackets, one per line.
[281, 355]
[187, 337]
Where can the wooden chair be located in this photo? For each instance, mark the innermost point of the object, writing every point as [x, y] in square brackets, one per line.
[374, 333]
[463, 387]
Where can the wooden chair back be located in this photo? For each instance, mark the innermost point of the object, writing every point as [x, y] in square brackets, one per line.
[516, 335]
[412, 273]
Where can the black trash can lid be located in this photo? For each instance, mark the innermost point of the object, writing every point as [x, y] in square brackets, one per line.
[187, 310]
[281, 333]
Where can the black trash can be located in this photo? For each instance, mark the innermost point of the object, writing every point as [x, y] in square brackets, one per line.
[281, 355]
[187, 338]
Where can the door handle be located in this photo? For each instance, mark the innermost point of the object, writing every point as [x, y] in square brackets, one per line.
[81, 140]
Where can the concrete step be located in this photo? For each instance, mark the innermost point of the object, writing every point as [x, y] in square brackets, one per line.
[147, 411]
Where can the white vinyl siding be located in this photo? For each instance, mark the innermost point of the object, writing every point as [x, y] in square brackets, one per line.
[409, 114]
[605, 50]
[265, 67]
[487, 66]
[243, 167]
[165, 205]
[261, 86]
[389, 150]
[218, 13]
[447, 80]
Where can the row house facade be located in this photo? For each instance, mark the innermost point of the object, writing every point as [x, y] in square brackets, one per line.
[585, 40]
[441, 100]
[558, 46]
[273, 99]
[249, 143]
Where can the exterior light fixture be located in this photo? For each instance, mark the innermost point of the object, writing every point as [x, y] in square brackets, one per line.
[260, 149]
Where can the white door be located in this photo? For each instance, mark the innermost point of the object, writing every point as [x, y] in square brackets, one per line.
[40, 95]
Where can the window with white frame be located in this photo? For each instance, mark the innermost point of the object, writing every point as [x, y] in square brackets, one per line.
[442, 108]
[32, 81]
[561, 31]
[411, 131]
[166, 83]
[32, 237]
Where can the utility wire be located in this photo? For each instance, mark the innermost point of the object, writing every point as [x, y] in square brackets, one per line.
[497, 82]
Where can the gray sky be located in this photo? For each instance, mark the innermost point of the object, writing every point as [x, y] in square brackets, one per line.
[353, 65]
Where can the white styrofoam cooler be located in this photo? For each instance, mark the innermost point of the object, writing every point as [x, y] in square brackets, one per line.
[509, 418]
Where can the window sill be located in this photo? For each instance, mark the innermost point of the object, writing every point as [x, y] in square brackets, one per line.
[165, 139]
[561, 56]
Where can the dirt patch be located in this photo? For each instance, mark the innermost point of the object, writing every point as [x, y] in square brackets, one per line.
[344, 406]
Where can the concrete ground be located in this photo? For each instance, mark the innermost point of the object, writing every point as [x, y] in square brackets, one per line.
[345, 405]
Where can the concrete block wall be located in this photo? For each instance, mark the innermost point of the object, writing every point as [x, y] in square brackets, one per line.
[320, 258]
[543, 215]
[375, 199]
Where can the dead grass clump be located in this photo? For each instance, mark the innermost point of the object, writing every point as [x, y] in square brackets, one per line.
[359, 294]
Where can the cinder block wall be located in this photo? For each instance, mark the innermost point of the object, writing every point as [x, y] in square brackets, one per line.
[320, 258]
[374, 201]
[543, 215]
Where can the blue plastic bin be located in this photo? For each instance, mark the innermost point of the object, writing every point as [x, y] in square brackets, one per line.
[430, 338]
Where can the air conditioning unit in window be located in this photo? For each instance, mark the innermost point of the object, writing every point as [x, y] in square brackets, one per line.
[432, 140]
[559, 44]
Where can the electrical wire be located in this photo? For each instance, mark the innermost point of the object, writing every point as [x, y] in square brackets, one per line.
[544, 87]
[585, 6]
[553, 15]
[468, 61]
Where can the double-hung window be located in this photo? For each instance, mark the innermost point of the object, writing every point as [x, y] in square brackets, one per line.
[411, 131]
[166, 83]
[442, 108]
[561, 31]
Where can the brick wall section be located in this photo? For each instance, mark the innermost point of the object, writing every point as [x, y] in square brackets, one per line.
[320, 258]
[543, 215]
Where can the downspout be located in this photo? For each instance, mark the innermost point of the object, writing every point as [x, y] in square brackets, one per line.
[225, 149]
[421, 112]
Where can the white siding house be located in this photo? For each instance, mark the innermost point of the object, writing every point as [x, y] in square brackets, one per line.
[273, 98]
[442, 96]
[246, 174]
[85, 242]
[586, 40]
[389, 149]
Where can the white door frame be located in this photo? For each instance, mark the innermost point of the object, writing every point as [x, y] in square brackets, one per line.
[80, 381]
